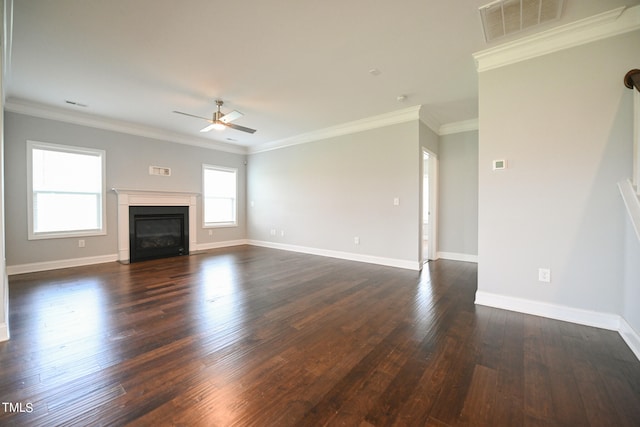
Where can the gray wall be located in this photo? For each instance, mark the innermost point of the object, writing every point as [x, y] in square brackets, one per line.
[128, 158]
[429, 140]
[563, 121]
[458, 190]
[325, 193]
[320, 194]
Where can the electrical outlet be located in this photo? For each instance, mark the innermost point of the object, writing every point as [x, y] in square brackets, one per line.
[210, 233]
[81, 243]
[356, 240]
[273, 231]
[281, 233]
[544, 275]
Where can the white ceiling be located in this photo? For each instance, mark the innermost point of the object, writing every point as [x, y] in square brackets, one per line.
[291, 66]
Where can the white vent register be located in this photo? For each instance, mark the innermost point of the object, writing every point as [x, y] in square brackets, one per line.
[159, 170]
[504, 17]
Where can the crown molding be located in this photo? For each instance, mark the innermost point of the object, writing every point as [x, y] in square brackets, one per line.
[597, 27]
[388, 119]
[447, 128]
[53, 113]
[459, 127]
[43, 111]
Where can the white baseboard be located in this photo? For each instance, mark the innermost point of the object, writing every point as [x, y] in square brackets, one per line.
[552, 311]
[4, 332]
[79, 262]
[350, 256]
[453, 256]
[217, 245]
[612, 322]
[630, 336]
[54, 265]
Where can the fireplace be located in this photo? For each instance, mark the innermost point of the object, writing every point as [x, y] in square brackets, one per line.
[149, 198]
[158, 232]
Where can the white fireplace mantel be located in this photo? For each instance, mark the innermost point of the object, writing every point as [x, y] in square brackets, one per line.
[128, 197]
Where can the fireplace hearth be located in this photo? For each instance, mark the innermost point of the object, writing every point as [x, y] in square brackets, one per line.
[158, 232]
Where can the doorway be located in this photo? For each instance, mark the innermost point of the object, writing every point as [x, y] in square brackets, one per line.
[428, 229]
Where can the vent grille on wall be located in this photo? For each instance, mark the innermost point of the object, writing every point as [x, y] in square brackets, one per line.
[503, 17]
[159, 170]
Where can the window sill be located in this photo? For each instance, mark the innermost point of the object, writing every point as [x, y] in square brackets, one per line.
[66, 234]
[221, 225]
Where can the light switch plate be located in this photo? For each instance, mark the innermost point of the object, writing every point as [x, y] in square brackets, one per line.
[544, 275]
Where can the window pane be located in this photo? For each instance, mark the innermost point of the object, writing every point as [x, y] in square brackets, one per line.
[219, 210]
[66, 212]
[220, 183]
[67, 190]
[219, 196]
[69, 172]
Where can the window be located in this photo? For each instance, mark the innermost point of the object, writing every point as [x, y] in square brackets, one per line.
[66, 191]
[220, 196]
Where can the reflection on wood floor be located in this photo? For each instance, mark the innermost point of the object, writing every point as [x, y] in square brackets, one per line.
[256, 336]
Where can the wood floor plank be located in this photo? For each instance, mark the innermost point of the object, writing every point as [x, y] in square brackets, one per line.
[256, 336]
[417, 407]
[481, 398]
[362, 378]
[509, 408]
[538, 402]
[454, 391]
[595, 395]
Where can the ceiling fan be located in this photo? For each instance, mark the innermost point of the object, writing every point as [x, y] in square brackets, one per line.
[219, 121]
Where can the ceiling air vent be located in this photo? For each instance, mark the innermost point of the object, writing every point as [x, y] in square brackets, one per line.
[504, 17]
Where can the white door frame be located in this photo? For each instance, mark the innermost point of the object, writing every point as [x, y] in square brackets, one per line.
[433, 205]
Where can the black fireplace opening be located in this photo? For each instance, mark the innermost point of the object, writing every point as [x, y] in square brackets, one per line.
[158, 232]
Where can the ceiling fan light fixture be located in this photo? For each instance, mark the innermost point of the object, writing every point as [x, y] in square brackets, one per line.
[220, 121]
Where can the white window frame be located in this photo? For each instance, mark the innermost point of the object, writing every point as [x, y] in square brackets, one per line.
[32, 235]
[233, 223]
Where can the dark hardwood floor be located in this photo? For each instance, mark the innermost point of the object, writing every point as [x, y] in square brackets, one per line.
[253, 336]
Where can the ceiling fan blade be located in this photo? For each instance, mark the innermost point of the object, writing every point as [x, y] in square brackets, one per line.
[229, 117]
[240, 128]
[208, 128]
[224, 120]
[192, 115]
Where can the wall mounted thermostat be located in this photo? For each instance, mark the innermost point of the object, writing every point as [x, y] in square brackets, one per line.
[499, 164]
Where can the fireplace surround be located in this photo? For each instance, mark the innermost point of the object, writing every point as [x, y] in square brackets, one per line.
[128, 198]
